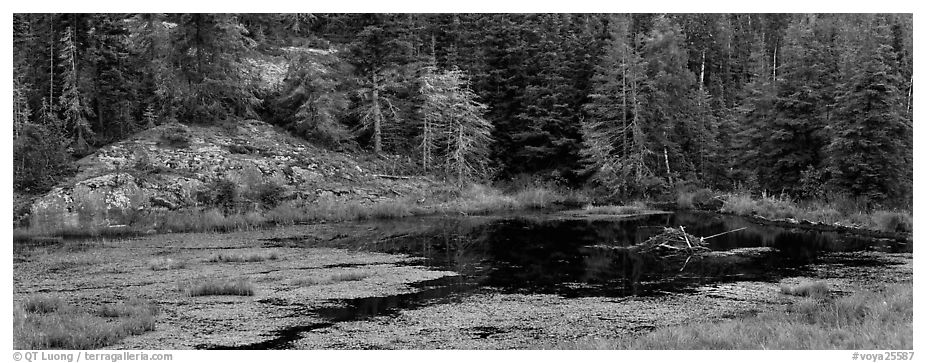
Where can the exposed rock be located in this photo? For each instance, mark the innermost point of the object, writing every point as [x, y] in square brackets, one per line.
[167, 166]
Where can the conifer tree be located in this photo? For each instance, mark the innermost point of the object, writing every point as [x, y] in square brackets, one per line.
[74, 107]
[866, 154]
[456, 134]
[614, 146]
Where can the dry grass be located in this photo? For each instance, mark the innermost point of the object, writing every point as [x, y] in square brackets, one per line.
[253, 257]
[165, 263]
[865, 320]
[634, 208]
[333, 278]
[221, 287]
[43, 304]
[783, 208]
[475, 199]
[66, 327]
[817, 289]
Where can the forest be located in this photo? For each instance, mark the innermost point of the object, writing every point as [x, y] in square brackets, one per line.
[811, 106]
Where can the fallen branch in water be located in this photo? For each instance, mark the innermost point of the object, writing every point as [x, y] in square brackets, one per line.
[723, 233]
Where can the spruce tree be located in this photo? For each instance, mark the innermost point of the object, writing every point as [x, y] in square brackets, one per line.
[866, 155]
[73, 105]
[614, 146]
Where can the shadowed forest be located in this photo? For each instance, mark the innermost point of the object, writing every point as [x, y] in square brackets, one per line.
[806, 106]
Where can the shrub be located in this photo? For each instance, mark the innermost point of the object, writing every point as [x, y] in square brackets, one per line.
[176, 136]
[221, 193]
[268, 194]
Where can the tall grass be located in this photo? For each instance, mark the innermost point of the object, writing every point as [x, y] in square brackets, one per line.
[67, 327]
[474, 199]
[221, 287]
[816, 289]
[633, 208]
[253, 257]
[333, 278]
[165, 263]
[783, 208]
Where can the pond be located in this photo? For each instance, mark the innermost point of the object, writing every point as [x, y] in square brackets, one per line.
[574, 258]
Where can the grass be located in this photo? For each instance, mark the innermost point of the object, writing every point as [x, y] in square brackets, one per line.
[836, 214]
[864, 320]
[67, 327]
[165, 263]
[253, 257]
[221, 287]
[474, 199]
[43, 304]
[694, 199]
[816, 289]
[634, 208]
[333, 278]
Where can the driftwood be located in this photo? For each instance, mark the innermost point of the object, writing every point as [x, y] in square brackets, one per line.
[384, 176]
[403, 177]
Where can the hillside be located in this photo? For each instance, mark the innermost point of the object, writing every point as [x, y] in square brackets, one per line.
[175, 166]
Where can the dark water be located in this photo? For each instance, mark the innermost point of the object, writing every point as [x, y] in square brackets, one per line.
[556, 255]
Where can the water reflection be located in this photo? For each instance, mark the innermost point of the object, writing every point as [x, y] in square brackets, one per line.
[576, 257]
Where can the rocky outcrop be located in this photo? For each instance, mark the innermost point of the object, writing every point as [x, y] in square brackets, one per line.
[168, 166]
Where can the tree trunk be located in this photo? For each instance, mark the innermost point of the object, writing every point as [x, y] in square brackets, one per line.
[624, 101]
[377, 118]
[51, 62]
